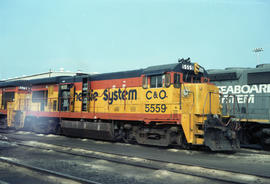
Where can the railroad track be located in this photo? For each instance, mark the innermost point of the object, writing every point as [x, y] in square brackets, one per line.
[213, 174]
[244, 150]
[252, 151]
[44, 173]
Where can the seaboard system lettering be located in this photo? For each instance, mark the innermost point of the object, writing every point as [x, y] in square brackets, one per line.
[243, 93]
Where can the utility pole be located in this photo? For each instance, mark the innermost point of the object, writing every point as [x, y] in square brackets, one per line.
[257, 51]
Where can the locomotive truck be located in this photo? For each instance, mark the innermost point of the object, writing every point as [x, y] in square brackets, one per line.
[163, 105]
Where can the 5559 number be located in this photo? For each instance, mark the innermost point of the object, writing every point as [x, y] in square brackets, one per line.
[155, 108]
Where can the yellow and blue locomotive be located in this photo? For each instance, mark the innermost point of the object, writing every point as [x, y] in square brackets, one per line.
[162, 105]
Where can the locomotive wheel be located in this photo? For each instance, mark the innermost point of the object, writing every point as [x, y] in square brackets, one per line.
[128, 139]
[185, 145]
[265, 142]
[182, 142]
[58, 130]
[3, 123]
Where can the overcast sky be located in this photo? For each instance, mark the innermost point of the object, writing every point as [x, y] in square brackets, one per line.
[105, 35]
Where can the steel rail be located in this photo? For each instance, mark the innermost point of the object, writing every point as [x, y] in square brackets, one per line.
[119, 161]
[153, 166]
[49, 172]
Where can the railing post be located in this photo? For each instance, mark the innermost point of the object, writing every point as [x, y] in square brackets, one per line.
[210, 102]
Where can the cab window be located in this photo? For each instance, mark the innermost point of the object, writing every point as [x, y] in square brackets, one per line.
[196, 79]
[188, 78]
[144, 82]
[192, 79]
[167, 80]
[177, 80]
[156, 81]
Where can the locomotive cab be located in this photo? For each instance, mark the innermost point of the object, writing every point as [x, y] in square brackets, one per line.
[190, 108]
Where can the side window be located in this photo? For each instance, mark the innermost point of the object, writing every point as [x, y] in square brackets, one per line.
[156, 81]
[167, 80]
[40, 96]
[152, 81]
[144, 82]
[187, 78]
[159, 81]
[177, 80]
[196, 79]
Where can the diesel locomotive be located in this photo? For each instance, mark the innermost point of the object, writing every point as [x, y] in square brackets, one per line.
[164, 105]
[246, 96]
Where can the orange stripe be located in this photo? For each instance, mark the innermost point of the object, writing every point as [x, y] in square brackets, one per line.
[12, 89]
[78, 85]
[118, 83]
[40, 89]
[55, 87]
